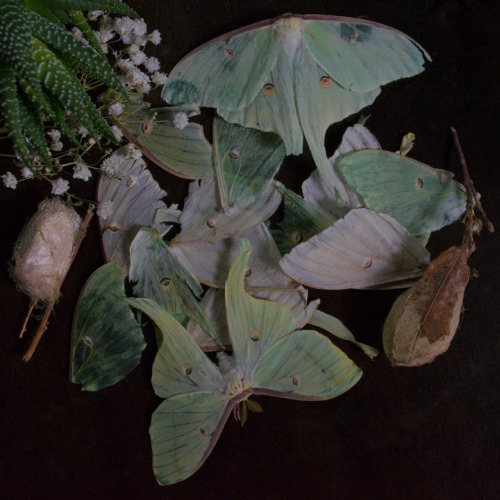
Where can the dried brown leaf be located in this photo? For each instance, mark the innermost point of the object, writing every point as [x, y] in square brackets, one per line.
[423, 321]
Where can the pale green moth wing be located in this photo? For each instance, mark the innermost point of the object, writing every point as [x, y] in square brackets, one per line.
[301, 221]
[210, 262]
[131, 207]
[419, 197]
[186, 426]
[246, 161]
[304, 365]
[168, 138]
[203, 218]
[160, 276]
[337, 328]
[294, 300]
[364, 250]
[180, 366]
[295, 86]
[277, 359]
[217, 73]
[255, 325]
[184, 430]
[319, 190]
[106, 340]
[213, 305]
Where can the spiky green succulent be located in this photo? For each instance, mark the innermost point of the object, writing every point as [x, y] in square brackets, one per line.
[39, 61]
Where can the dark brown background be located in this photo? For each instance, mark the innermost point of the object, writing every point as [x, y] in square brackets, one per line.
[428, 432]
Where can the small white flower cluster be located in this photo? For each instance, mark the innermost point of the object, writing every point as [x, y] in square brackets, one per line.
[113, 167]
[9, 180]
[59, 186]
[104, 209]
[133, 34]
[56, 144]
[181, 120]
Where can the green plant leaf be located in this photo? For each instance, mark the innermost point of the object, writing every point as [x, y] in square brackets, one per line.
[75, 53]
[64, 86]
[33, 128]
[116, 6]
[80, 21]
[9, 106]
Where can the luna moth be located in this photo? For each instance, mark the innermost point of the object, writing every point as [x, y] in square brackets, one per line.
[295, 75]
[269, 358]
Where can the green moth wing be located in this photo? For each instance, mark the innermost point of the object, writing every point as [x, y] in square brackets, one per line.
[213, 306]
[132, 207]
[318, 189]
[180, 366]
[365, 249]
[204, 219]
[307, 72]
[419, 197]
[301, 221]
[211, 262]
[305, 365]
[183, 431]
[160, 276]
[168, 139]
[106, 340]
[246, 161]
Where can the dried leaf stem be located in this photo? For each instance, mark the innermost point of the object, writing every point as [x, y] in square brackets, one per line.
[472, 224]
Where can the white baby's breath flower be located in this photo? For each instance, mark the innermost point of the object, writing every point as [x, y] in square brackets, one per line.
[135, 77]
[81, 171]
[56, 146]
[123, 25]
[117, 132]
[155, 37]
[93, 15]
[104, 209]
[133, 152]
[152, 64]
[181, 120]
[140, 28]
[143, 87]
[54, 134]
[109, 167]
[59, 186]
[132, 180]
[159, 78]
[26, 173]
[137, 57]
[9, 179]
[125, 64]
[116, 109]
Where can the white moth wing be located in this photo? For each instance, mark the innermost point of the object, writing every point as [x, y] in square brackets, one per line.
[132, 207]
[364, 250]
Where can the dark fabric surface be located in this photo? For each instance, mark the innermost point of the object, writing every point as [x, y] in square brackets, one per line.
[428, 432]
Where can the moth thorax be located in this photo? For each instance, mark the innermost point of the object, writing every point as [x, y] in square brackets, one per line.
[289, 31]
[237, 385]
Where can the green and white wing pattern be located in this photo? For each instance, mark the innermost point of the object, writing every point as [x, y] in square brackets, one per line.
[167, 137]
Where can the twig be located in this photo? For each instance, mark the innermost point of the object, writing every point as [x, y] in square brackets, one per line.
[469, 184]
